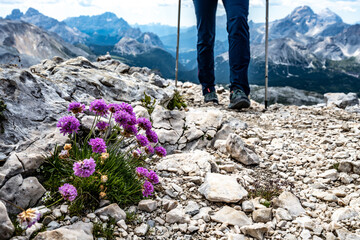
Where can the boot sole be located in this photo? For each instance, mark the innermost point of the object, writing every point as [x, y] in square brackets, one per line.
[242, 103]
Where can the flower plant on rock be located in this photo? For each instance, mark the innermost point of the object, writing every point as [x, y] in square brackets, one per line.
[105, 164]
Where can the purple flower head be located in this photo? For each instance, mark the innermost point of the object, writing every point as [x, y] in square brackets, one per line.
[76, 107]
[68, 192]
[153, 177]
[144, 123]
[137, 153]
[148, 189]
[84, 168]
[127, 107]
[102, 125]
[149, 149]
[68, 125]
[142, 140]
[98, 145]
[99, 107]
[132, 120]
[142, 172]
[130, 130]
[152, 136]
[122, 117]
[113, 107]
[28, 218]
[160, 151]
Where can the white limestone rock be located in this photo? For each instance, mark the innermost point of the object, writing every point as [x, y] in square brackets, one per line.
[222, 188]
[231, 216]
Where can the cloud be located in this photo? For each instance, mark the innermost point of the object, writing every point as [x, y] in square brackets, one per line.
[257, 3]
[86, 3]
[10, 1]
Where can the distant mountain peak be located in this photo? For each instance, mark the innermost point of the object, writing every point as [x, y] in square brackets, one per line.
[302, 11]
[32, 12]
[15, 15]
[330, 16]
[109, 15]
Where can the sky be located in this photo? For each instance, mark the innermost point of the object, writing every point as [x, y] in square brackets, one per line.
[165, 11]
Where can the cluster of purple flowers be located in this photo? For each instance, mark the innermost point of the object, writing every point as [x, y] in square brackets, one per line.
[76, 107]
[99, 107]
[142, 140]
[144, 123]
[98, 145]
[84, 168]
[127, 108]
[125, 117]
[150, 178]
[149, 149]
[130, 130]
[68, 192]
[68, 125]
[102, 125]
[148, 189]
[113, 107]
[160, 151]
[152, 136]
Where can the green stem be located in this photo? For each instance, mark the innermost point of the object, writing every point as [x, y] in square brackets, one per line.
[107, 132]
[54, 203]
[75, 146]
[91, 130]
[110, 138]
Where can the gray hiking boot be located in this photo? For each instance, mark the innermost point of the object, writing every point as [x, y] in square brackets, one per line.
[238, 100]
[211, 97]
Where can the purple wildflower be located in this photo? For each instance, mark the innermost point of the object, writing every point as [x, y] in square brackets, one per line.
[102, 125]
[28, 218]
[148, 189]
[160, 151]
[98, 145]
[76, 107]
[153, 177]
[68, 125]
[113, 107]
[149, 149]
[130, 130]
[142, 140]
[127, 107]
[132, 120]
[152, 136]
[144, 123]
[142, 172]
[68, 192]
[99, 107]
[122, 117]
[84, 168]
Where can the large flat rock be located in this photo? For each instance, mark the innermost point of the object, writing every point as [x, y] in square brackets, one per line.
[222, 188]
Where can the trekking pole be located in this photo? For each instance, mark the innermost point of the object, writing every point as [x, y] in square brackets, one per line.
[266, 53]
[177, 46]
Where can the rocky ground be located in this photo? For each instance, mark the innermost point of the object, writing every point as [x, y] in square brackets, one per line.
[218, 158]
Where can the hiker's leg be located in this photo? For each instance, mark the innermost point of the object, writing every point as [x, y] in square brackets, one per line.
[205, 11]
[237, 12]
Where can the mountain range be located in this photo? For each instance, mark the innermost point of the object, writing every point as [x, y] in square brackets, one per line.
[26, 44]
[307, 50]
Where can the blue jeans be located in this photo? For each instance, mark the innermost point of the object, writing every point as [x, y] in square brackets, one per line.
[237, 12]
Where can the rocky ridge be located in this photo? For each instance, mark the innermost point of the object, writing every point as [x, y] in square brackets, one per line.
[217, 158]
